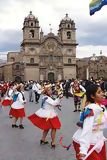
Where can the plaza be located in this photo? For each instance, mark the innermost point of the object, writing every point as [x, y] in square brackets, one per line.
[24, 144]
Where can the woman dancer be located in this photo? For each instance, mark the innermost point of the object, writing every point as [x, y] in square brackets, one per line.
[17, 107]
[8, 98]
[46, 117]
[89, 141]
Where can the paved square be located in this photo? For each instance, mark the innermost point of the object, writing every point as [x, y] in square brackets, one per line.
[16, 144]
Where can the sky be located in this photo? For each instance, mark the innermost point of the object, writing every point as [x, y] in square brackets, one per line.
[91, 33]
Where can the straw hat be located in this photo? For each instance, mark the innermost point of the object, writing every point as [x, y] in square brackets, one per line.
[46, 89]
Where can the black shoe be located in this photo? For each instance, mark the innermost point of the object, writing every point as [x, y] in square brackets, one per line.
[53, 146]
[21, 126]
[30, 101]
[75, 110]
[44, 142]
[37, 102]
[14, 126]
[79, 110]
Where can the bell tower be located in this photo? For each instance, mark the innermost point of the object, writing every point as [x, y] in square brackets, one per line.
[30, 30]
[67, 35]
[66, 30]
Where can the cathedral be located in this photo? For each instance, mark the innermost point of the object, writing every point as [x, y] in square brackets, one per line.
[44, 57]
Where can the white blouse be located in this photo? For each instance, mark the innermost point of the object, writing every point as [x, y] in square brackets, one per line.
[48, 108]
[92, 131]
[19, 103]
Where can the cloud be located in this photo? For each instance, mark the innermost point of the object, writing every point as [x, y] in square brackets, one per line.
[91, 30]
[89, 50]
[3, 55]
[4, 4]
[94, 35]
[10, 40]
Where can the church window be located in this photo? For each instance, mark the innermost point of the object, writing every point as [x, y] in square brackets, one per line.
[69, 60]
[32, 49]
[31, 60]
[31, 33]
[12, 59]
[41, 59]
[32, 24]
[69, 50]
[68, 35]
[26, 24]
[17, 67]
[51, 58]
[59, 59]
[68, 25]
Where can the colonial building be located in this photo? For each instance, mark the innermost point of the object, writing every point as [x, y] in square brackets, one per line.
[95, 66]
[45, 57]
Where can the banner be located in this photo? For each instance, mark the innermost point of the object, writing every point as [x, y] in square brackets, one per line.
[96, 5]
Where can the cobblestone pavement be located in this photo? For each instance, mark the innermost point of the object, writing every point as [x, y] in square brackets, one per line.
[16, 144]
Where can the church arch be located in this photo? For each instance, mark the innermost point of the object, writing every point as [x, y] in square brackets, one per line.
[51, 77]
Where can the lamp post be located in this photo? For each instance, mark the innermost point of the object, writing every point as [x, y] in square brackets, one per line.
[95, 60]
[88, 70]
[97, 69]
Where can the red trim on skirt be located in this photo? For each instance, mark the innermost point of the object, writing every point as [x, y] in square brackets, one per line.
[44, 123]
[94, 155]
[17, 113]
[7, 102]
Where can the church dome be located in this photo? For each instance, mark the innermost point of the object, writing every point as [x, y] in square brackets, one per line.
[66, 18]
[30, 16]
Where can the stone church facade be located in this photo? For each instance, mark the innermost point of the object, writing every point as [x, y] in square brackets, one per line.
[45, 57]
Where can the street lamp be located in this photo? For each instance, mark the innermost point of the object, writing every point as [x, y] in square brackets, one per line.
[88, 70]
[95, 59]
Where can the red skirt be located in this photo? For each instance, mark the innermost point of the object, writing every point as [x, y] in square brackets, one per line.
[7, 102]
[44, 123]
[94, 155]
[17, 113]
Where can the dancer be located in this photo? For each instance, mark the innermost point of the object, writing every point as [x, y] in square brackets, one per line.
[46, 117]
[8, 98]
[89, 141]
[17, 107]
[7, 101]
[77, 91]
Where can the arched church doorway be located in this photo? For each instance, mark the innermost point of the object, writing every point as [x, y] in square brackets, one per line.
[18, 79]
[51, 77]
